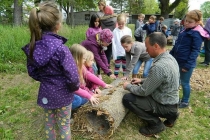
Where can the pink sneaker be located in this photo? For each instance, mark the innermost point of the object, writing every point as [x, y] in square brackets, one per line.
[100, 77]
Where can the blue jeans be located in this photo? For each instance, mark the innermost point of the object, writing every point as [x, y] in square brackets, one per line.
[146, 67]
[78, 101]
[95, 69]
[185, 82]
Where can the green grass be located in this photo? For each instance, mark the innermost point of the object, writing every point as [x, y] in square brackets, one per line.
[22, 119]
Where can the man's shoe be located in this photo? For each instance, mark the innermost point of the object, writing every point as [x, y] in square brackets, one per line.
[183, 105]
[150, 131]
[170, 122]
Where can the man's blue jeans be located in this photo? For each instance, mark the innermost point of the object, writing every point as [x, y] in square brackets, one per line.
[185, 82]
[146, 67]
[78, 101]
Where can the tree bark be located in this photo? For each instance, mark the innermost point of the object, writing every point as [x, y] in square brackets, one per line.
[166, 9]
[17, 13]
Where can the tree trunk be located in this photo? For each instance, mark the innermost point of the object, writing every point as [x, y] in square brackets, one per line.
[17, 13]
[72, 16]
[166, 9]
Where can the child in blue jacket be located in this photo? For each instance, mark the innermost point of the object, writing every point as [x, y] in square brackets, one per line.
[186, 51]
[150, 26]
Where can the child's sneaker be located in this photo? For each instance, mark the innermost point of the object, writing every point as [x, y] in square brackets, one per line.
[183, 105]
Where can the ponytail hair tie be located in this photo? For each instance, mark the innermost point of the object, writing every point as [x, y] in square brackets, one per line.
[37, 9]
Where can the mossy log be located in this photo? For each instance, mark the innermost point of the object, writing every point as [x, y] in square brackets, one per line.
[100, 121]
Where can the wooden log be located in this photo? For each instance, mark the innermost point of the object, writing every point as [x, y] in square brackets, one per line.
[100, 121]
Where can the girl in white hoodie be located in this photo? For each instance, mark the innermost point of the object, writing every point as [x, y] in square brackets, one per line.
[118, 51]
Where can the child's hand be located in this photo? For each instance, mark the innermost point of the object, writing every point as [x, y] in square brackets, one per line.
[96, 95]
[94, 101]
[124, 78]
[112, 76]
[97, 91]
[108, 86]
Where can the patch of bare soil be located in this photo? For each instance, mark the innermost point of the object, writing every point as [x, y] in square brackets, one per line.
[10, 80]
[200, 80]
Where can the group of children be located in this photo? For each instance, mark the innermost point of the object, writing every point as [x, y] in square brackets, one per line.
[66, 76]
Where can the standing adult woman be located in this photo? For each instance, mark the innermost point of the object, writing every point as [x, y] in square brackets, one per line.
[108, 21]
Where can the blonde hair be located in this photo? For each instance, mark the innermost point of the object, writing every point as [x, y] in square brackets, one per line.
[121, 17]
[79, 53]
[141, 15]
[89, 56]
[102, 2]
[126, 39]
[195, 15]
[45, 17]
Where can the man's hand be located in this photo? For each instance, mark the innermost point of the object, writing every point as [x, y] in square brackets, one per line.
[135, 81]
[125, 84]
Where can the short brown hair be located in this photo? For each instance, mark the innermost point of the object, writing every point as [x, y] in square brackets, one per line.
[161, 18]
[153, 17]
[126, 39]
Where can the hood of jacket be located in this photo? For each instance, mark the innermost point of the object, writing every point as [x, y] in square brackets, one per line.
[45, 48]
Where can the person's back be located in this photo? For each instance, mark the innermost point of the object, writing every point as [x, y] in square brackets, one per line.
[176, 28]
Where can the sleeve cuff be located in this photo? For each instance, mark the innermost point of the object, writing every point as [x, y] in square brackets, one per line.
[110, 73]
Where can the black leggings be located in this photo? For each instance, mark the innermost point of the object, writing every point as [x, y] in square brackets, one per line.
[108, 53]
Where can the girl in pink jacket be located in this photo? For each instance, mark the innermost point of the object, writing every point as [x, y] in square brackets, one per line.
[84, 94]
[92, 82]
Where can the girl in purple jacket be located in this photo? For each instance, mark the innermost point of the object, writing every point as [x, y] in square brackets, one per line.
[50, 62]
[94, 26]
[97, 44]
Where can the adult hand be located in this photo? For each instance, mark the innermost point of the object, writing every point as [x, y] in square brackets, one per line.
[97, 91]
[112, 76]
[184, 70]
[108, 86]
[135, 81]
[94, 101]
[125, 84]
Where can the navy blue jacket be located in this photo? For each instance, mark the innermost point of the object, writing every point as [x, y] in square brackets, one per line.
[150, 28]
[187, 48]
